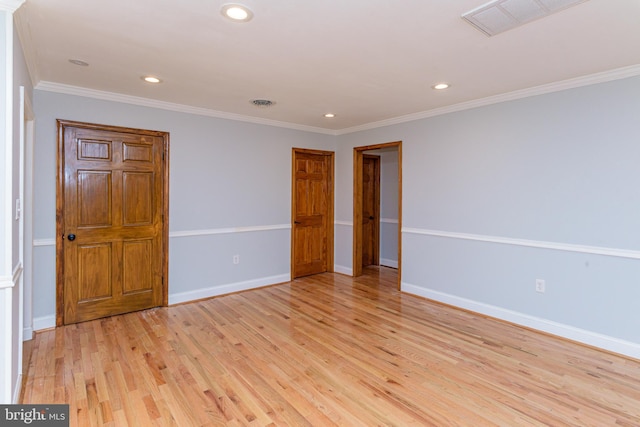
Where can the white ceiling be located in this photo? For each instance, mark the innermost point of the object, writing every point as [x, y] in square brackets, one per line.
[367, 61]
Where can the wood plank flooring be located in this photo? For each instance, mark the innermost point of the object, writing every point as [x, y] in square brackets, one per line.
[325, 350]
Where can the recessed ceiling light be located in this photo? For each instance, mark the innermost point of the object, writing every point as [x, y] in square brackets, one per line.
[329, 115]
[236, 12]
[440, 86]
[79, 62]
[151, 79]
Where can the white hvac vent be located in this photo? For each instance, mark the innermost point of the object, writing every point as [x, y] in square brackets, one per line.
[502, 15]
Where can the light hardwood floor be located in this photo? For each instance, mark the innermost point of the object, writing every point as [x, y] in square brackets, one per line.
[326, 350]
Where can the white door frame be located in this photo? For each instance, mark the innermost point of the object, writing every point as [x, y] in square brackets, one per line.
[27, 140]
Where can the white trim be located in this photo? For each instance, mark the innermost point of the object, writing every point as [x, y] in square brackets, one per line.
[382, 220]
[10, 5]
[18, 389]
[20, 275]
[343, 270]
[44, 242]
[231, 230]
[6, 282]
[194, 233]
[44, 322]
[11, 281]
[9, 343]
[393, 263]
[170, 106]
[605, 342]
[7, 203]
[47, 322]
[28, 46]
[606, 76]
[27, 333]
[569, 247]
[17, 272]
[6, 344]
[227, 289]
[27, 121]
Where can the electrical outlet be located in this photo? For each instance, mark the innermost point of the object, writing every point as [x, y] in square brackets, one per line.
[540, 286]
[236, 259]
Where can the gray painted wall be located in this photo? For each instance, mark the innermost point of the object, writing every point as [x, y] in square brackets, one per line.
[389, 208]
[493, 199]
[4, 185]
[7, 343]
[21, 78]
[559, 171]
[223, 175]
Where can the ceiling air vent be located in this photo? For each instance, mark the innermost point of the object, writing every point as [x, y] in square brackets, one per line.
[262, 102]
[501, 15]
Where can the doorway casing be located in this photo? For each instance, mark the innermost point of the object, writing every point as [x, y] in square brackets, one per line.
[358, 155]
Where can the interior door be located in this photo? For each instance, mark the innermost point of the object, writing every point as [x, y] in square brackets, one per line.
[312, 212]
[111, 221]
[358, 158]
[370, 210]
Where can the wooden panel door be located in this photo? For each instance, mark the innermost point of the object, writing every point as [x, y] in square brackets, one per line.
[312, 212]
[112, 229]
[370, 210]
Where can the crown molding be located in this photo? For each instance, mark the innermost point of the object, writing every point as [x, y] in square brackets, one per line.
[606, 76]
[29, 49]
[10, 5]
[152, 103]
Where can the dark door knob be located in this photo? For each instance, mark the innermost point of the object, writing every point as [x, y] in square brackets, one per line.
[71, 237]
[371, 217]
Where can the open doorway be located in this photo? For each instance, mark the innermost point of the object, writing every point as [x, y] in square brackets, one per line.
[362, 227]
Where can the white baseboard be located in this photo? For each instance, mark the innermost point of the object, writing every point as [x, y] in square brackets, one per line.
[213, 291]
[27, 333]
[17, 390]
[343, 270]
[594, 339]
[47, 322]
[44, 322]
[389, 262]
